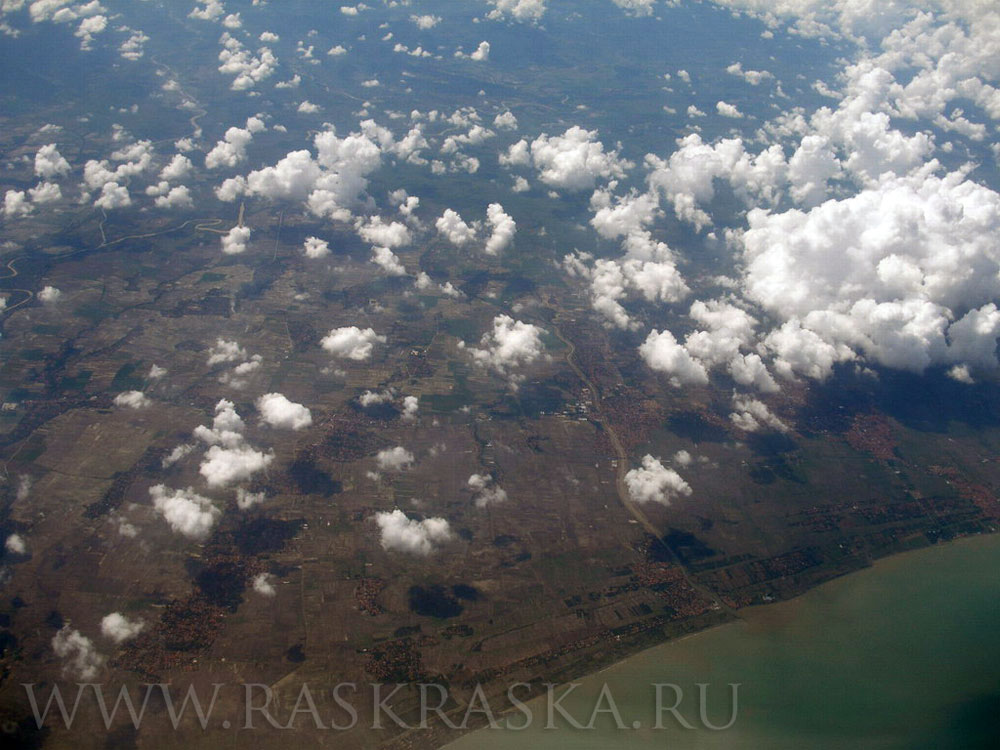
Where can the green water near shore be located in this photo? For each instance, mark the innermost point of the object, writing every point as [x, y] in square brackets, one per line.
[905, 654]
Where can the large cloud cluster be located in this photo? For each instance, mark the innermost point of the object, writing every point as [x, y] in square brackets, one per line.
[332, 183]
[647, 270]
[905, 273]
[574, 160]
[725, 336]
[858, 246]
[248, 68]
[98, 175]
[89, 13]
[687, 178]
[229, 459]
[502, 228]
[403, 534]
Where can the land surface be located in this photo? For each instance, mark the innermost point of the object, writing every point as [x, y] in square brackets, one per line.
[570, 573]
[577, 576]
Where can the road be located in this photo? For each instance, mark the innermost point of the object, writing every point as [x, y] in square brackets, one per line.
[632, 507]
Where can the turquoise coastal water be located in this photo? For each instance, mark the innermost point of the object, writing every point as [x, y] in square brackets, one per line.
[902, 655]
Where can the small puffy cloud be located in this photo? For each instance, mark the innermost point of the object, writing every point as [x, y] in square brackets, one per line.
[424, 282]
[451, 226]
[524, 11]
[728, 110]
[504, 228]
[81, 659]
[235, 242]
[314, 247]
[486, 491]
[16, 203]
[386, 234]
[246, 499]
[178, 168]
[262, 584]
[177, 454]
[223, 466]
[49, 295]
[231, 150]
[45, 192]
[15, 544]
[662, 353]
[753, 77]
[426, 21]
[481, 53]
[231, 189]
[49, 163]
[404, 534]
[177, 197]
[227, 426]
[509, 345]
[113, 196]
[225, 351]
[574, 160]
[351, 342]
[278, 411]
[337, 50]
[88, 28]
[505, 121]
[119, 628]
[961, 374]
[306, 107]
[636, 8]
[394, 459]
[185, 511]
[132, 400]
[388, 261]
[156, 372]
[373, 398]
[411, 405]
[623, 215]
[210, 10]
[654, 482]
[752, 415]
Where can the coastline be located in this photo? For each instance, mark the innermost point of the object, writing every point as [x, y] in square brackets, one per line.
[765, 615]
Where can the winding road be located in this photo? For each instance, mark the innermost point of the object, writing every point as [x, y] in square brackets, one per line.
[632, 507]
